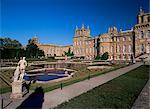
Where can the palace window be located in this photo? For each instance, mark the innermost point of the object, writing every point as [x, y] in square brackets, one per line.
[118, 48]
[102, 49]
[83, 43]
[80, 43]
[77, 42]
[86, 50]
[142, 48]
[124, 57]
[129, 38]
[149, 48]
[110, 40]
[118, 57]
[142, 34]
[118, 39]
[124, 39]
[112, 48]
[130, 48]
[148, 19]
[90, 50]
[86, 43]
[89, 43]
[148, 34]
[124, 49]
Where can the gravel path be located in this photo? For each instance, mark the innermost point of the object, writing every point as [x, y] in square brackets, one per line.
[143, 101]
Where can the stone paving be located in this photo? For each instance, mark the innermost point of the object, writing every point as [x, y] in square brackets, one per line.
[58, 96]
[143, 100]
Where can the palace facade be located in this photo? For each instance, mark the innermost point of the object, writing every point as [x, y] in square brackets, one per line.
[120, 45]
[51, 50]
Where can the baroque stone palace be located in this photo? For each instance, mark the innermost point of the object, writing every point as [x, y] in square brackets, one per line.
[121, 45]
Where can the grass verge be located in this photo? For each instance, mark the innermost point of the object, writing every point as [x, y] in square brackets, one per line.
[118, 93]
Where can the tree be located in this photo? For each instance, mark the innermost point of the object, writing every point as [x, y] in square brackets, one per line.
[69, 53]
[10, 48]
[102, 57]
[105, 56]
[32, 51]
[98, 57]
[9, 43]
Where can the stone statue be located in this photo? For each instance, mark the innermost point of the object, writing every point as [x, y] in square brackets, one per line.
[20, 70]
[16, 74]
[18, 85]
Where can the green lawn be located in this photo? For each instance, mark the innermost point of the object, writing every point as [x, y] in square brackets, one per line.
[120, 93]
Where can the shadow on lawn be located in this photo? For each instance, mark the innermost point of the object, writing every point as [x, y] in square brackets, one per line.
[34, 101]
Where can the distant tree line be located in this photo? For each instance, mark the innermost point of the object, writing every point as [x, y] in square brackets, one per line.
[10, 49]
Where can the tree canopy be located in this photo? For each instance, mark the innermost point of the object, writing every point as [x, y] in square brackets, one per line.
[10, 48]
[69, 53]
[32, 50]
[9, 43]
[102, 57]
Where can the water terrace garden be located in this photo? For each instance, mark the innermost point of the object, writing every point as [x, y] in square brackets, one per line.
[82, 73]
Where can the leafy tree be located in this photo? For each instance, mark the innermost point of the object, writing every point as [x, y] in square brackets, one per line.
[9, 43]
[102, 57]
[69, 53]
[98, 57]
[105, 56]
[10, 48]
[32, 51]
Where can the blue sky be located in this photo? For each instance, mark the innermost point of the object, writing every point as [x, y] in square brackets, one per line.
[54, 21]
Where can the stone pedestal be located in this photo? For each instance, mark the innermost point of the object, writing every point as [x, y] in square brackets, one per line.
[18, 89]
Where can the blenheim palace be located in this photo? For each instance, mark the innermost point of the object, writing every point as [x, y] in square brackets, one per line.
[120, 45]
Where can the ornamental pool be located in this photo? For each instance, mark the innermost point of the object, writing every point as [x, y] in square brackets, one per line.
[45, 76]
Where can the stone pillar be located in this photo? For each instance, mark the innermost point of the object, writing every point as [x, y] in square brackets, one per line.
[18, 89]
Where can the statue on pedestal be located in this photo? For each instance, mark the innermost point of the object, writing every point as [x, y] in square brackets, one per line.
[18, 84]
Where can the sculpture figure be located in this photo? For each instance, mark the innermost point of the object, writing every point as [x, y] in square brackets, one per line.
[20, 70]
[16, 74]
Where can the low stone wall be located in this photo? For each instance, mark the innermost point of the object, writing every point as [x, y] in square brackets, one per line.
[99, 67]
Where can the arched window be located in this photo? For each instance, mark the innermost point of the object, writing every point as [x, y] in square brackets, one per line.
[142, 34]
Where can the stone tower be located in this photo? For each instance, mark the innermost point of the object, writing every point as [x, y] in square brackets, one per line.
[142, 33]
[82, 32]
[82, 40]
